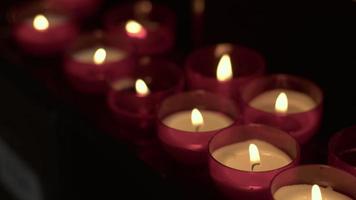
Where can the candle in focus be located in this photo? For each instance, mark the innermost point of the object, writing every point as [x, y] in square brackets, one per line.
[308, 192]
[224, 70]
[283, 101]
[252, 155]
[198, 120]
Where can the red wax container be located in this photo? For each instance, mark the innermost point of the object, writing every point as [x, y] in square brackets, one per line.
[303, 99]
[342, 150]
[151, 27]
[201, 68]
[238, 184]
[190, 147]
[79, 9]
[42, 31]
[322, 175]
[136, 114]
[89, 76]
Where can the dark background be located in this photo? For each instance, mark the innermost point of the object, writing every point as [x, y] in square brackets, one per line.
[313, 39]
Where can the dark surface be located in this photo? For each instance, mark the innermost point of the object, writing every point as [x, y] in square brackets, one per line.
[77, 161]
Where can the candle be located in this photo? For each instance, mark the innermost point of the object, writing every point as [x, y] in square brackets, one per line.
[342, 150]
[187, 122]
[287, 102]
[238, 156]
[91, 59]
[305, 192]
[43, 32]
[314, 182]
[244, 159]
[149, 28]
[223, 68]
[134, 97]
[283, 101]
[212, 120]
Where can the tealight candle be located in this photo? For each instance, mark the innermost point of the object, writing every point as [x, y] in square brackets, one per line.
[187, 122]
[43, 32]
[287, 102]
[91, 59]
[342, 150]
[135, 96]
[244, 159]
[223, 68]
[149, 28]
[315, 182]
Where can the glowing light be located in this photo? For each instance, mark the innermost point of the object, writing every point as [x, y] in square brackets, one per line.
[40, 23]
[141, 88]
[254, 154]
[316, 193]
[135, 29]
[281, 105]
[197, 118]
[99, 56]
[224, 69]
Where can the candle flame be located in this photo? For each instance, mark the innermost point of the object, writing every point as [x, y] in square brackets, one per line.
[141, 88]
[135, 29]
[316, 193]
[40, 23]
[281, 105]
[99, 56]
[254, 154]
[224, 70]
[197, 118]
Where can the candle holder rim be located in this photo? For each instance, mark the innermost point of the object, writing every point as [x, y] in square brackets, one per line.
[283, 168]
[318, 106]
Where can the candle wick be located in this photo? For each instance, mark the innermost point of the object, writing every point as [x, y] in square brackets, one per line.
[197, 128]
[254, 165]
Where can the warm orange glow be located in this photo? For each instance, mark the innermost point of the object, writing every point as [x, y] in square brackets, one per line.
[40, 23]
[143, 7]
[254, 154]
[141, 88]
[135, 29]
[197, 118]
[316, 193]
[281, 105]
[224, 70]
[99, 56]
[198, 6]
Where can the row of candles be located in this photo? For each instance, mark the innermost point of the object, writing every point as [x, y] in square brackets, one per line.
[219, 121]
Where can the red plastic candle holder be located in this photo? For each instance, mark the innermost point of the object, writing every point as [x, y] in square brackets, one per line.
[86, 76]
[342, 150]
[136, 114]
[238, 184]
[60, 32]
[187, 147]
[301, 124]
[157, 35]
[201, 68]
[79, 9]
[322, 175]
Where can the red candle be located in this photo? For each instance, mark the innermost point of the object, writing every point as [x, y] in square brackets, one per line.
[41, 31]
[187, 121]
[223, 68]
[313, 182]
[342, 150]
[77, 8]
[91, 59]
[244, 159]
[149, 28]
[290, 103]
[135, 96]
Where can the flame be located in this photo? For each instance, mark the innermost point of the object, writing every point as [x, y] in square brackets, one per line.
[281, 105]
[254, 154]
[135, 29]
[197, 118]
[99, 56]
[224, 70]
[316, 193]
[40, 23]
[141, 88]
